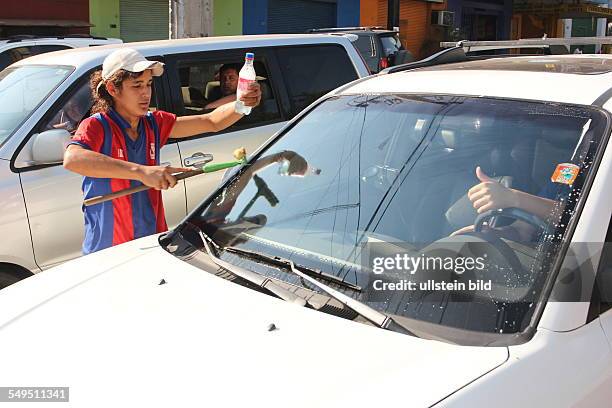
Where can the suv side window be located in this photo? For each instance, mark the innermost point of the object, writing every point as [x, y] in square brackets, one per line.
[76, 106]
[205, 85]
[41, 49]
[310, 72]
[364, 45]
[15, 54]
[70, 113]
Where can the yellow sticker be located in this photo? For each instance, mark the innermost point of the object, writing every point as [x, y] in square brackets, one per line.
[565, 173]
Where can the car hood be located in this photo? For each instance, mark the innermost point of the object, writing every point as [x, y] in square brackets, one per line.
[104, 326]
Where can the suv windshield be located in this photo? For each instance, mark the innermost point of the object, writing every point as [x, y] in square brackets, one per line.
[22, 89]
[388, 174]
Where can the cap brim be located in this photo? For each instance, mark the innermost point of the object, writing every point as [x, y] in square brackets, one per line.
[156, 67]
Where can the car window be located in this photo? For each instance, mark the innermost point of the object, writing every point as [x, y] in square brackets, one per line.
[395, 171]
[364, 46]
[41, 49]
[22, 89]
[69, 114]
[312, 71]
[77, 106]
[13, 55]
[207, 85]
[390, 44]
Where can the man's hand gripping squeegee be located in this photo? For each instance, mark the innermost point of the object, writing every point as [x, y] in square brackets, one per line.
[239, 155]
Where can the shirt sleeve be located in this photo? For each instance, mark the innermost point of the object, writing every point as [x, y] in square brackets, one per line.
[89, 134]
[165, 123]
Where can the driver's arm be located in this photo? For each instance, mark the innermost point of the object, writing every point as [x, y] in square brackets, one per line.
[492, 195]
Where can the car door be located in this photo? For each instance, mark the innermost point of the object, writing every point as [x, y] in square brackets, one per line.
[53, 195]
[194, 83]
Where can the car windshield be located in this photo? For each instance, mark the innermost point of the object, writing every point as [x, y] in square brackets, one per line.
[22, 89]
[364, 177]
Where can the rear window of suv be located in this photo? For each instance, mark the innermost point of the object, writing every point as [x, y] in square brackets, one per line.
[391, 44]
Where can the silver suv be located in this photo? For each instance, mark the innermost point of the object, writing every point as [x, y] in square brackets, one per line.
[43, 98]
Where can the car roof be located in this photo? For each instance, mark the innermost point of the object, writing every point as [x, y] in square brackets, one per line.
[93, 56]
[561, 78]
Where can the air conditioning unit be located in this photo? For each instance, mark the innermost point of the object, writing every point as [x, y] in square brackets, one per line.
[443, 18]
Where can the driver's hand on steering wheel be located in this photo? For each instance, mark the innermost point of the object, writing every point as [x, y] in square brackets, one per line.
[490, 194]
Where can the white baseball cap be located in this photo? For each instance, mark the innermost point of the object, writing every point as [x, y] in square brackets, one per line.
[130, 60]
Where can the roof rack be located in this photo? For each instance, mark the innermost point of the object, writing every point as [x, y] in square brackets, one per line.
[551, 43]
[448, 56]
[316, 30]
[25, 37]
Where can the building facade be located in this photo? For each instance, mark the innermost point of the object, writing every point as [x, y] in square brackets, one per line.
[43, 17]
[418, 32]
[296, 16]
[131, 20]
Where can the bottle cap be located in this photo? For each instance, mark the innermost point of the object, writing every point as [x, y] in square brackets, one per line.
[249, 55]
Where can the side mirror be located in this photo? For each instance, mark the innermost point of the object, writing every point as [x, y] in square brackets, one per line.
[48, 147]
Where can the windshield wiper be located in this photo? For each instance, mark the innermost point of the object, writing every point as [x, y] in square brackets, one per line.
[284, 263]
[257, 279]
[374, 316]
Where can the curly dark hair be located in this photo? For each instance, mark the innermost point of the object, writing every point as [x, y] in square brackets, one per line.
[102, 100]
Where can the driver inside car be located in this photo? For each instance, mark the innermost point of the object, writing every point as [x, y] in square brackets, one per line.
[490, 194]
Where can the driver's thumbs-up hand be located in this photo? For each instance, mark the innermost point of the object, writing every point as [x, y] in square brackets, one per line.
[490, 194]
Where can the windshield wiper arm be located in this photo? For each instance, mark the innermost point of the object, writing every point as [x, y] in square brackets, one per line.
[284, 263]
[374, 316]
[259, 280]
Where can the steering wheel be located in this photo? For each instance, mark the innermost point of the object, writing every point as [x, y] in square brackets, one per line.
[512, 212]
[505, 250]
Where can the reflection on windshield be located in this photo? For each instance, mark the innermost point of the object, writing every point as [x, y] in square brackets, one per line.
[421, 174]
[22, 89]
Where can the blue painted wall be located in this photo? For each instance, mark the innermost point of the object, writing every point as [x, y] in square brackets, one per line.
[348, 13]
[255, 15]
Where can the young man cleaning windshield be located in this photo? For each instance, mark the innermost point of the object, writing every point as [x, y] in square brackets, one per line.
[119, 146]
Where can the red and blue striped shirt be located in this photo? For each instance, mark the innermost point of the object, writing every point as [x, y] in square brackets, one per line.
[125, 218]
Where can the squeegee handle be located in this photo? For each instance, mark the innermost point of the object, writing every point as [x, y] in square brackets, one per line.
[209, 168]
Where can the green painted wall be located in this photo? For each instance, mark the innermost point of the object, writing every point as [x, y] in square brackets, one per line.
[227, 17]
[104, 15]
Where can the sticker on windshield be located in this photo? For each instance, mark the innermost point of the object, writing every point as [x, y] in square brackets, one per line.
[565, 173]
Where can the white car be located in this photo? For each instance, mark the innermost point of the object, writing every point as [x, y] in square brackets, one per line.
[18, 47]
[267, 293]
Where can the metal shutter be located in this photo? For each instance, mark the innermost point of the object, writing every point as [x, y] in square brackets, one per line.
[142, 20]
[297, 16]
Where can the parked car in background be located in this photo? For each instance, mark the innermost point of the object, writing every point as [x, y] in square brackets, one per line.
[380, 48]
[18, 47]
[268, 283]
[44, 97]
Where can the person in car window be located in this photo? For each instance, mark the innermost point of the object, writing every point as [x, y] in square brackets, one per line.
[489, 194]
[119, 147]
[228, 79]
[71, 114]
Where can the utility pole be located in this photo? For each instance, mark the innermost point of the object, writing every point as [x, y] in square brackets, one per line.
[392, 14]
[191, 18]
